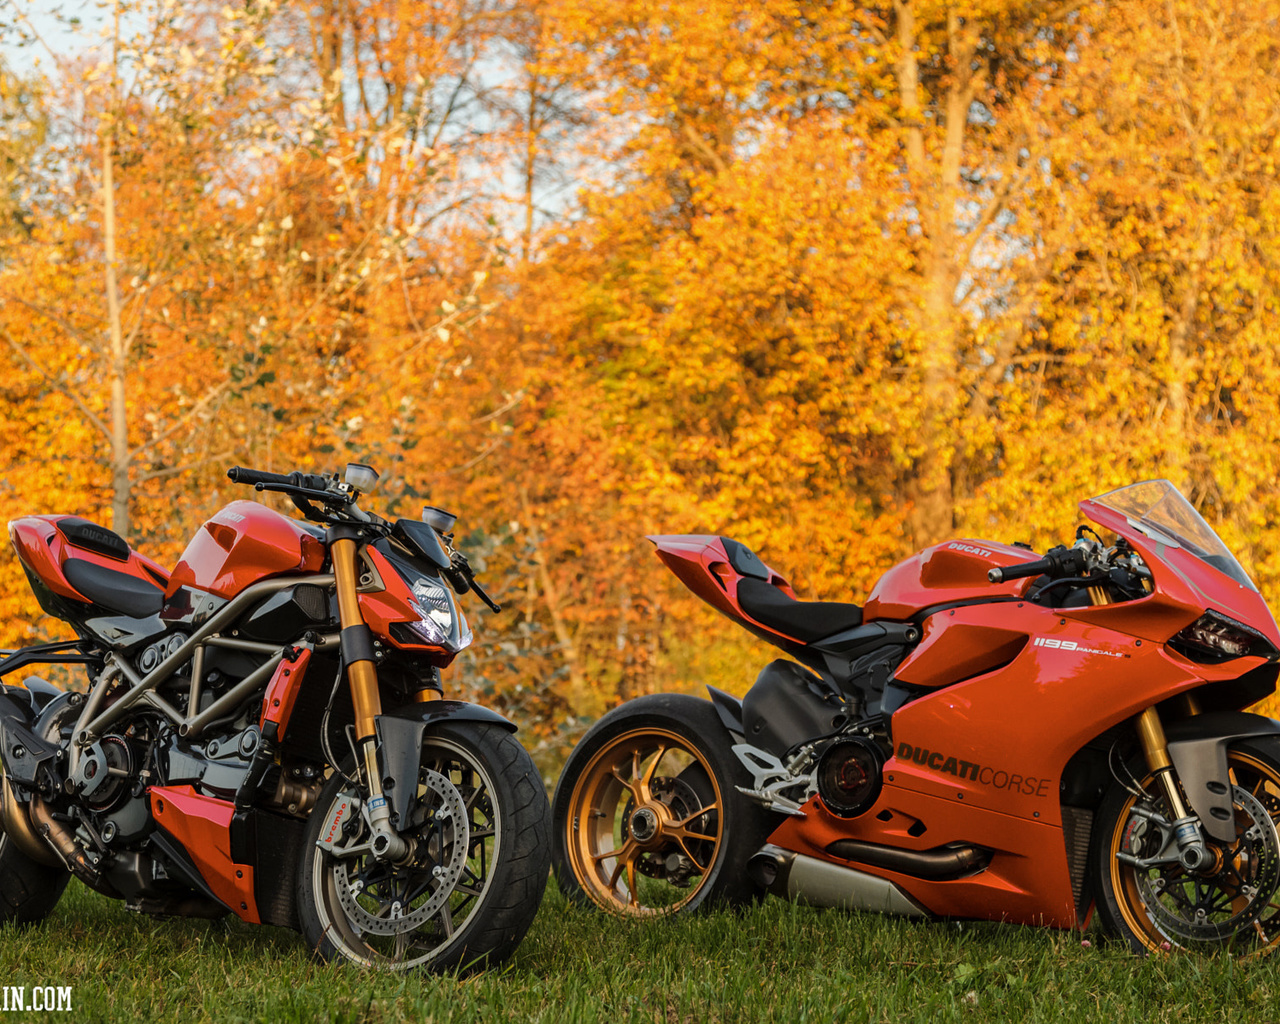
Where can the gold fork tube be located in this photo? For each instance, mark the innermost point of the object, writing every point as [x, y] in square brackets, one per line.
[361, 675]
[1156, 749]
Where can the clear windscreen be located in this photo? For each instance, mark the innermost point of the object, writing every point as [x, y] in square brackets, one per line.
[1158, 509]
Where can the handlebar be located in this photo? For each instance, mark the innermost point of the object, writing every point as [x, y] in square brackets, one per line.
[254, 477]
[240, 475]
[1058, 562]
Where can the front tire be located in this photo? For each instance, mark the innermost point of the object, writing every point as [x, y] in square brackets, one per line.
[1236, 905]
[647, 818]
[473, 885]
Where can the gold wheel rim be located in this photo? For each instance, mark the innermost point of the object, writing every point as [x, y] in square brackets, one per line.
[630, 814]
[1252, 775]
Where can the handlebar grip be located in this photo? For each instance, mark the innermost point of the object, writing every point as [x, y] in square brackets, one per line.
[311, 481]
[1003, 574]
[240, 475]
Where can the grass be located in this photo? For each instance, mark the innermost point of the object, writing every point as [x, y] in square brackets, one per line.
[775, 962]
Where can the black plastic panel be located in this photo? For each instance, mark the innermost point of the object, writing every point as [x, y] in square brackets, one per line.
[95, 538]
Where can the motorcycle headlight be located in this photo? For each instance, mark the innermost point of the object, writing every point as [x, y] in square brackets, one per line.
[440, 622]
[1215, 637]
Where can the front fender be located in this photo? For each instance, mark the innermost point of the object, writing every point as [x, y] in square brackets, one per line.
[400, 734]
[1198, 749]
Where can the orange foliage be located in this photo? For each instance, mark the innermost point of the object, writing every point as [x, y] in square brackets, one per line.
[838, 279]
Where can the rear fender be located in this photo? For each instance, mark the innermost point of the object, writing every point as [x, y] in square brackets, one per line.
[400, 734]
[1198, 749]
[729, 710]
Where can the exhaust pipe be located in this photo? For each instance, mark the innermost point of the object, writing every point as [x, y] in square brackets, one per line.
[822, 884]
[68, 849]
[17, 826]
[943, 863]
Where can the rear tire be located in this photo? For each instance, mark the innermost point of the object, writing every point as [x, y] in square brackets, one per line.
[29, 890]
[647, 819]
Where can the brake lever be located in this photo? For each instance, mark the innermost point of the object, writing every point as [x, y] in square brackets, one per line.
[460, 566]
[479, 590]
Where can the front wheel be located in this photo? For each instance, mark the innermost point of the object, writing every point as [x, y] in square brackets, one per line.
[469, 890]
[647, 818]
[1146, 896]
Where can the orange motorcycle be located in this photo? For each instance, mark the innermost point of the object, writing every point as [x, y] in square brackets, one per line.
[263, 734]
[993, 735]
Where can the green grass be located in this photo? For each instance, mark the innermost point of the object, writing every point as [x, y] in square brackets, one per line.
[775, 962]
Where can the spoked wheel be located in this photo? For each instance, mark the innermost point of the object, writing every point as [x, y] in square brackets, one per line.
[647, 819]
[469, 890]
[1154, 903]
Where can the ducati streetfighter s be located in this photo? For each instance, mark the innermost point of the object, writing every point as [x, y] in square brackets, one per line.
[263, 734]
[993, 735]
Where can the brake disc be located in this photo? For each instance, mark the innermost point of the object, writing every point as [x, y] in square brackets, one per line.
[441, 855]
[1216, 907]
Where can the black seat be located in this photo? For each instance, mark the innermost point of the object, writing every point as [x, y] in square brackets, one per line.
[114, 590]
[806, 621]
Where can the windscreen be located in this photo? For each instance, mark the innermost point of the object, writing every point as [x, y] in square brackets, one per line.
[1158, 509]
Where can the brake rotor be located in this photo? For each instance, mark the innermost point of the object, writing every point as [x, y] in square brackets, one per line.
[441, 855]
[1216, 907]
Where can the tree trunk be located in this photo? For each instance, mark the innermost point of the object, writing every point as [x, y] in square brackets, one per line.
[119, 411]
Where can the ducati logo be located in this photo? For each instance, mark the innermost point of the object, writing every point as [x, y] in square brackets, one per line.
[969, 549]
[982, 774]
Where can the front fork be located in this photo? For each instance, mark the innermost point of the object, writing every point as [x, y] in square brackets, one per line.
[1194, 854]
[362, 675]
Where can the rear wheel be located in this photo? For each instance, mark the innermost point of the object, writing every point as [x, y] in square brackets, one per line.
[29, 890]
[1152, 902]
[647, 818]
[470, 889]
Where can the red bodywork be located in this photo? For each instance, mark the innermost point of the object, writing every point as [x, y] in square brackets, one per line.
[43, 549]
[242, 544]
[282, 692]
[202, 825]
[1018, 688]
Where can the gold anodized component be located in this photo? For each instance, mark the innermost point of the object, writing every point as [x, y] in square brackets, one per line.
[1156, 749]
[362, 676]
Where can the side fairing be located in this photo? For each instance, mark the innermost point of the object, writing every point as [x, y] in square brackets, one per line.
[243, 543]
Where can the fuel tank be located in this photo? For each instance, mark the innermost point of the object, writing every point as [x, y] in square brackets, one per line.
[242, 544]
[946, 573]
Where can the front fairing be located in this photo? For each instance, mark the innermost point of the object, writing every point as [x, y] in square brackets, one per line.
[1184, 587]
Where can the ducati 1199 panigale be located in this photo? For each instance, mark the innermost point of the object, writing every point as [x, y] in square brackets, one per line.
[994, 735]
[263, 733]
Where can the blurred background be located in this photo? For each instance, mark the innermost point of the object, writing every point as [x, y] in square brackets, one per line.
[837, 280]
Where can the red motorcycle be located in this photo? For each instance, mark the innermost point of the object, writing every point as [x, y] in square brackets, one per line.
[993, 735]
[263, 734]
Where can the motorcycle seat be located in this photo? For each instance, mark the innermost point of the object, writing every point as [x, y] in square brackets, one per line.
[113, 590]
[805, 621]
